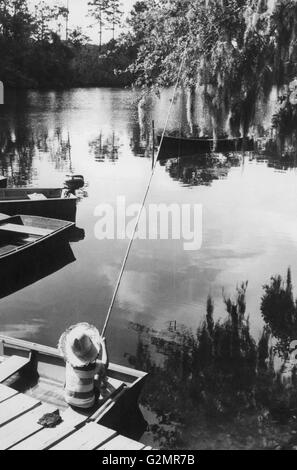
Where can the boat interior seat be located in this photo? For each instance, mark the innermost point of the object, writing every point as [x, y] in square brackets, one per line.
[36, 197]
[25, 229]
[7, 248]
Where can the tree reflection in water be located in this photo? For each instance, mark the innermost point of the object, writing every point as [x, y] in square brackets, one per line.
[16, 155]
[20, 145]
[203, 169]
[218, 387]
[105, 148]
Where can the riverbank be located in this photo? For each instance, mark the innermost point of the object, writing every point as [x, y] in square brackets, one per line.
[62, 66]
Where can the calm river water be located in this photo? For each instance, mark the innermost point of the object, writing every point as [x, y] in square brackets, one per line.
[249, 234]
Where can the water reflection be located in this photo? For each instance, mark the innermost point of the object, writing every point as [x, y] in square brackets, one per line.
[279, 311]
[193, 171]
[105, 148]
[46, 131]
[203, 383]
[276, 155]
[16, 154]
[24, 274]
[249, 233]
[205, 169]
[142, 143]
[19, 146]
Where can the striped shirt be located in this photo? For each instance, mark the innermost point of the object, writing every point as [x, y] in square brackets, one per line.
[80, 385]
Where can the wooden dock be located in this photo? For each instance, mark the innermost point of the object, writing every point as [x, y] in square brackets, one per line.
[19, 428]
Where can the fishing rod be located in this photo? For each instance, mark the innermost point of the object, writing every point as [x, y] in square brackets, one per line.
[118, 283]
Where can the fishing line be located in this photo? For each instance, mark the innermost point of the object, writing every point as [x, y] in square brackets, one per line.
[143, 202]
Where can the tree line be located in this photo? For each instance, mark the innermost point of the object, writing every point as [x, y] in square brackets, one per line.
[39, 50]
[234, 50]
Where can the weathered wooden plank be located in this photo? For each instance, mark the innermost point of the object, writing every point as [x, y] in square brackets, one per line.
[15, 406]
[22, 427]
[6, 392]
[122, 443]
[46, 438]
[11, 366]
[89, 437]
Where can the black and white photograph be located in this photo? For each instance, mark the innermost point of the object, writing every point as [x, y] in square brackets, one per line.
[148, 227]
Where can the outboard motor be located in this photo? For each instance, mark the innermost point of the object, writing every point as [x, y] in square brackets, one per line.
[74, 182]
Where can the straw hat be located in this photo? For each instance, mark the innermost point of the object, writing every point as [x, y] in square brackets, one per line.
[80, 344]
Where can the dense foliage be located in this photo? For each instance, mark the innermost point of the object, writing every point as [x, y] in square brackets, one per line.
[236, 50]
[105, 11]
[285, 119]
[34, 53]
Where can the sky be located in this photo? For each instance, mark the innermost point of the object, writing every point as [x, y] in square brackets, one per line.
[78, 15]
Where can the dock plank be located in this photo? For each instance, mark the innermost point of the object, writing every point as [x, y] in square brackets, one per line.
[11, 366]
[15, 406]
[89, 437]
[23, 427]
[6, 392]
[47, 437]
[122, 443]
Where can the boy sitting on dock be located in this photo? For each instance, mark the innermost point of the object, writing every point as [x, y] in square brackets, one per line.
[81, 346]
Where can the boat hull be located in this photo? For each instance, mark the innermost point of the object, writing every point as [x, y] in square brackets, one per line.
[15, 257]
[30, 266]
[64, 209]
[3, 182]
[54, 205]
[174, 147]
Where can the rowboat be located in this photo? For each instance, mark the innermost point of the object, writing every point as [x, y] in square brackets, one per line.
[22, 238]
[3, 182]
[19, 275]
[173, 147]
[44, 202]
[37, 373]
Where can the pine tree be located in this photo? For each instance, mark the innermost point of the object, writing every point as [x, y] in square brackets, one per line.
[114, 14]
[99, 10]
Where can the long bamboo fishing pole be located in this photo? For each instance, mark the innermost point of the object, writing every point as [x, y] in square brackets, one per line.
[118, 283]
